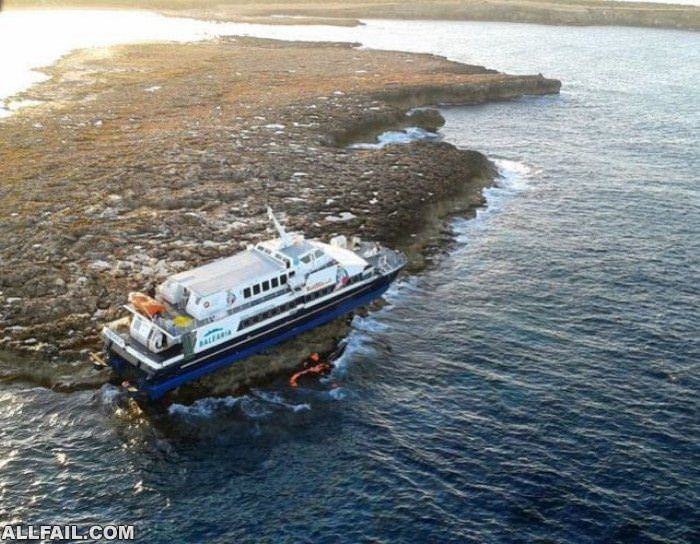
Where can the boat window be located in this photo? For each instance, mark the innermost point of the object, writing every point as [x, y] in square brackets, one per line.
[266, 285]
[246, 292]
[274, 282]
[306, 259]
[292, 273]
[318, 253]
[256, 289]
[283, 279]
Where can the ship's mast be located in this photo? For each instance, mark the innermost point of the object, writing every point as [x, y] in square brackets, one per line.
[284, 236]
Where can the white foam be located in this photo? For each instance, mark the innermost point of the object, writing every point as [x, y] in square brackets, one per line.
[514, 178]
[406, 136]
[514, 175]
[357, 342]
[109, 395]
[254, 409]
[366, 328]
[258, 404]
[275, 398]
[204, 408]
[338, 393]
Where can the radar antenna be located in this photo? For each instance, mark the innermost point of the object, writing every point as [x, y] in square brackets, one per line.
[284, 236]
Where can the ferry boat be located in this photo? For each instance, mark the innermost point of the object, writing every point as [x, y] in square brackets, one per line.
[209, 317]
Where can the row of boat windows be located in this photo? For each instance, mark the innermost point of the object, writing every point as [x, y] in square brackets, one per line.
[289, 305]
[276, 255]
[306, 259]
[284, 307]
[319, 293]
[267, 315]
[265, 286]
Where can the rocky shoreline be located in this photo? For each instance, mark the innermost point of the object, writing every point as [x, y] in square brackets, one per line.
[144, 160]
[348, 13]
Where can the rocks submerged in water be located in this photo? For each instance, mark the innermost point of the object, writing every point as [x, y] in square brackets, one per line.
[93, 212]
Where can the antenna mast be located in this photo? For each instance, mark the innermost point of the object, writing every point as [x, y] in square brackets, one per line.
[284, 236]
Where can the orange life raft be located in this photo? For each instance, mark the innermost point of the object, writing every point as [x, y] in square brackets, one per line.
[320, 368]
[146, 305]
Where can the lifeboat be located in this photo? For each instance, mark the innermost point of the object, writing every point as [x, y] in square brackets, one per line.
[146, 305]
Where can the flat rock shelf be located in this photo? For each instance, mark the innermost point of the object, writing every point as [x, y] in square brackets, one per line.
[144, 160]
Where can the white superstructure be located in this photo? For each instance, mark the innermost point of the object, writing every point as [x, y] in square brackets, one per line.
[256, 291]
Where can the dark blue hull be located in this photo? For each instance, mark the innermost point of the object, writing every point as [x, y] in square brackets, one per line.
[155, 386]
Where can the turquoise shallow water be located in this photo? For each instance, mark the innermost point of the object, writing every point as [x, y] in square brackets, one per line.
[540, 383]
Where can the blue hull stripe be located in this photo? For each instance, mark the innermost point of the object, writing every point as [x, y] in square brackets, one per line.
[156, 390]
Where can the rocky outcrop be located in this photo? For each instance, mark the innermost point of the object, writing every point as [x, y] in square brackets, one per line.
[161, 157]
[370, 124]
[547, 12]
[486, 90]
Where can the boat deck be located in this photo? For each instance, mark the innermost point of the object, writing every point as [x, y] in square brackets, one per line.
[228, 273]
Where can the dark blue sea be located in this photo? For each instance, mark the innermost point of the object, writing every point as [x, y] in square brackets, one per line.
[540, 383]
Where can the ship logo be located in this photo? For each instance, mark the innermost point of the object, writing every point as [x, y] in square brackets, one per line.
[213, 336]
[342, 277]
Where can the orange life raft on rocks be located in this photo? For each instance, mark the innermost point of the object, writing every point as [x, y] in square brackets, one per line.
[146, 305]
[319, 368]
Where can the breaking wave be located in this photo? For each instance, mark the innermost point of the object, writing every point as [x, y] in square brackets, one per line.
[205, 408]
[513, 179]
[398, 137]
[257, 404]
[275, 398]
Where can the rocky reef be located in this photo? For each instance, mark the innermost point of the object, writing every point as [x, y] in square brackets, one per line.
[144, 160]
[345, 13]
[547, 12]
